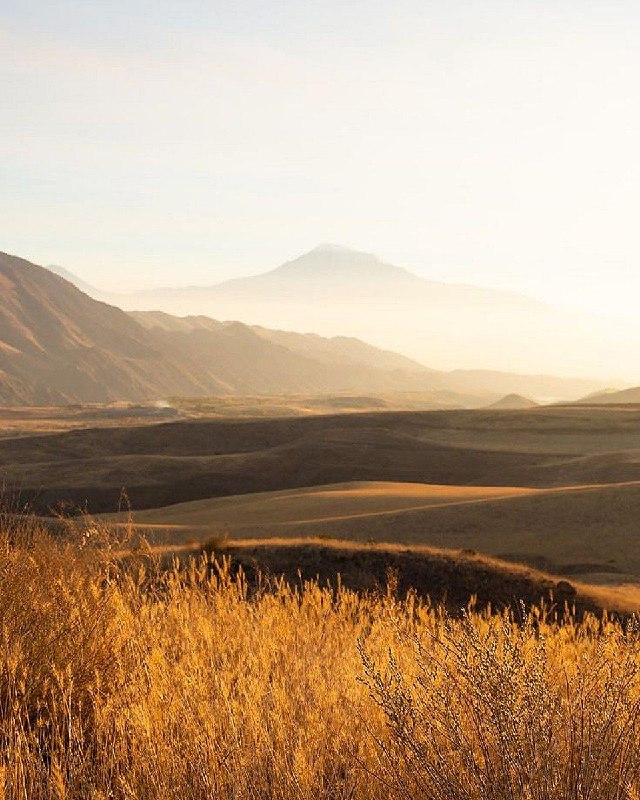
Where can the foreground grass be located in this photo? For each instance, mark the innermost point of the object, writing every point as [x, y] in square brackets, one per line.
[187, 684]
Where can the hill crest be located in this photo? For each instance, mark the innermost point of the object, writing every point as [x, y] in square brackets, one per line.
[630, 396]
[514, 401]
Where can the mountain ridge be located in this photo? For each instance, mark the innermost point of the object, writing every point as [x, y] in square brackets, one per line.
[630, 396]
[333, 290]
[57, 344]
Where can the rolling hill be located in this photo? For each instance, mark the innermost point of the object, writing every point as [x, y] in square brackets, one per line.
[453, 578]
[555, 487]
[191, 460]
[586, 531]
[512, 402]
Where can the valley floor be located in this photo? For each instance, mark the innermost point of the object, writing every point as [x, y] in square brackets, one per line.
[556, 488]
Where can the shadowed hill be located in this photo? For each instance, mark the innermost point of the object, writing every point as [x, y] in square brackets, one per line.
[182, 461]
[576, 530]
[453, 578]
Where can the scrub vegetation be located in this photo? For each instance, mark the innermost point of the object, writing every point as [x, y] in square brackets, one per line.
[125, 679]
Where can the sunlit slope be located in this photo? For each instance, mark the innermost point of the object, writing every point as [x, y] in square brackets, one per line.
[58, 346]
[311, 506]
[185, 461]
[581, 530]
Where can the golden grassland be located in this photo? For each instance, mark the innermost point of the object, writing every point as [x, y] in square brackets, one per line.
[137, 682]
[585, 531]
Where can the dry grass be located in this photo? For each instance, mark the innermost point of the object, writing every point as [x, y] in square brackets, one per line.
[193, 460]
[585, 532]
[186, 684]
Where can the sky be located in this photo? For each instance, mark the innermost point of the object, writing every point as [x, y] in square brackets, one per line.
[162, 142]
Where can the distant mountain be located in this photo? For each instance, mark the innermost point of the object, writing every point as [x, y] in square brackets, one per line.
[333, 290]
[330, 270]
[334, 350]
[87, 288]
[543, 388]
[513, 402]
[59, 345]
[613, 397]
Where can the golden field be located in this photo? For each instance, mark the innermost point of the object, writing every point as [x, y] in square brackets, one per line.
[557, 488]
[125, 679]
[587, 532]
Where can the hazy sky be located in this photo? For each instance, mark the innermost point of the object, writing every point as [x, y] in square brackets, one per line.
[176, 141]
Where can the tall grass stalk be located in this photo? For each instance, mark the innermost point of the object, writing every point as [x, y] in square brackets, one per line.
[121, 679]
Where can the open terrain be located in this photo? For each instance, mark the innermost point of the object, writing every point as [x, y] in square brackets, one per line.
[30, 420]
[585, 531]
[554, 487]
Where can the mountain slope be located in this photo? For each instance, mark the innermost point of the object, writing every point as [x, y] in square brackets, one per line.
[331, 350]
[333, 290]
[59, 345]
[612, 397]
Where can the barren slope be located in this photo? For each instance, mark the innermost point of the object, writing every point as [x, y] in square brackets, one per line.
[59, 345]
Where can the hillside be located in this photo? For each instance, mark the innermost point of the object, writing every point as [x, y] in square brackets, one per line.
[560, 530]
[450, 577]
[334, 290]
[57, 344]
[613, 397]
[330, 350]
[513, 402]
[198, 459]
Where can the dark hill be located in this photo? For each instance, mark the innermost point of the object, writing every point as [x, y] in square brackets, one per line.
[183, 461]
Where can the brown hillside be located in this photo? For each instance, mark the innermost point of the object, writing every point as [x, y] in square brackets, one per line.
[59, 345]
[451, 577]
[611, 398]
